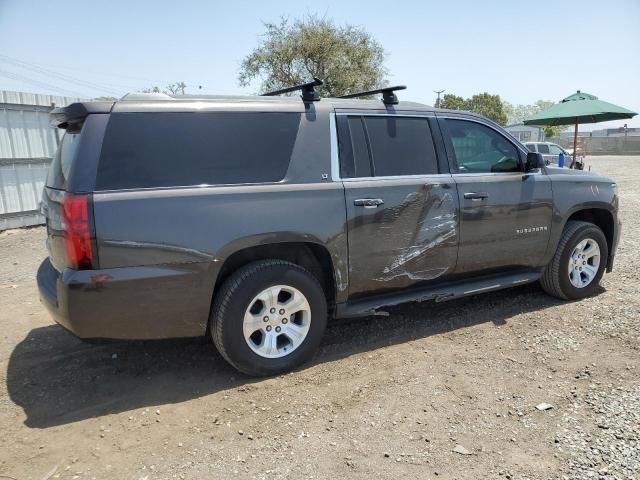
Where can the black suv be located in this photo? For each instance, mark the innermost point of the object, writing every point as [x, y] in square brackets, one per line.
[254, 219]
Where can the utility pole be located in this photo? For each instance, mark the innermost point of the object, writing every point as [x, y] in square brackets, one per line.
[438, 100]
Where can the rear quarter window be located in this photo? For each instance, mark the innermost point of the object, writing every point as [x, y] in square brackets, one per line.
[148, 150]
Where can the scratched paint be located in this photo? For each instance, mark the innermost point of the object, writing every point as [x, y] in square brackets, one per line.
[412, 238]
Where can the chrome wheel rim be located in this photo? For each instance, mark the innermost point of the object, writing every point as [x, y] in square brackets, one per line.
[584, 263]
[277, 321]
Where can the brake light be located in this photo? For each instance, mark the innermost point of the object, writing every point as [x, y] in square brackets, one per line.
[77, 237]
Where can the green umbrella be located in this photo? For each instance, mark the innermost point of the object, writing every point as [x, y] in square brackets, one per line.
[579, 108]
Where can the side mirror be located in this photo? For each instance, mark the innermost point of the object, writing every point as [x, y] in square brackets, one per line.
[534, 160]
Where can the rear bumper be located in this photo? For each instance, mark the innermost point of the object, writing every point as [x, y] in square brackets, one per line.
[129, 303]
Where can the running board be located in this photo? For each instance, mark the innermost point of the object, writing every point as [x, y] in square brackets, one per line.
[440, 293]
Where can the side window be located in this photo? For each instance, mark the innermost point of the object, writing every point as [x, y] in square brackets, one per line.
[555, 150]
[151, 150]
[385, 145]
[401, 146]
[352, 147]
[531, 147]
[543, 148]
[480, 149]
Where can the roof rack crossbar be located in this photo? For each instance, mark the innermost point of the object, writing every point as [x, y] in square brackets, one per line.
[308, 92]
[388, 97]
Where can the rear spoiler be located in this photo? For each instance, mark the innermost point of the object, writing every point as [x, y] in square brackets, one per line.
[75, 113]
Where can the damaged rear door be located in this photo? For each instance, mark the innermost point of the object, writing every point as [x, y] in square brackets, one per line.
[401, 207]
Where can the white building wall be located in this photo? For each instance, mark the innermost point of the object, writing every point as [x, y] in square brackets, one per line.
[27, 144]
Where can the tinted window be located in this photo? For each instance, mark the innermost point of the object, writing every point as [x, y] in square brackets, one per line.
[401, 146]
[543, 148]
[555, 150]
[354, 153]
[480, 149]
[61, 163]
[531, 147]
[143, 150]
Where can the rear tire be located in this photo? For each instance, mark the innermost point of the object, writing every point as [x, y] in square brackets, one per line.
[268, 317]
[578, 264]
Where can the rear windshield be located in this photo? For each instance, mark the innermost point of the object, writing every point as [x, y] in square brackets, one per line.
[62, 160]
[147, 150]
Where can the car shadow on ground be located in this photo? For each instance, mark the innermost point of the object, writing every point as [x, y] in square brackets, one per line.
[58, 379]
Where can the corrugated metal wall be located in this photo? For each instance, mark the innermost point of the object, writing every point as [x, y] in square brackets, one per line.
[27, 144]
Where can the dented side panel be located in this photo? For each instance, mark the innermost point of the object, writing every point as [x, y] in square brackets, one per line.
[411, 238]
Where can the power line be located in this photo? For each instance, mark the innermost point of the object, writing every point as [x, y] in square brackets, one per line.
[60, 76]
[36, 83]
[97, 72]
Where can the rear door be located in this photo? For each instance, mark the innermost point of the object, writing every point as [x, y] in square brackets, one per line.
[401, 207]
[505, 213]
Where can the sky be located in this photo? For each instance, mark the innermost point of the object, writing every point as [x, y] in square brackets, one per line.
[522, 51]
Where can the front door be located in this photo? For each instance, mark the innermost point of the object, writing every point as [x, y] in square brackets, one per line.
[505, 218]
[401, 211]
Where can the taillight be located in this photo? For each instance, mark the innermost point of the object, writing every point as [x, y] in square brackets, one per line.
[77, 235]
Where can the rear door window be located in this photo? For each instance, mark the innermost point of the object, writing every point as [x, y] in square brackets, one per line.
[148, 150]
[543, 148]
[385, 145]
[555, 150]
[401, 146]
[61, 164]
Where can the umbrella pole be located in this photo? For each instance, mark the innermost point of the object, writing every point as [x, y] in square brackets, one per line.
[575, 145]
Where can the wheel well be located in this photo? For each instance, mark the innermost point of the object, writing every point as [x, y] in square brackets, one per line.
[314, 258]
[600, 217]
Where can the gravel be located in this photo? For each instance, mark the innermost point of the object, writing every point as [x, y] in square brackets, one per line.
[384, 397]
[601, 434]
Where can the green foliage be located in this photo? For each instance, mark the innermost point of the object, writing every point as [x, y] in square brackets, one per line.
[518, 113]
[453, 102]
[490, 106]
[346, 58]
[105, 99]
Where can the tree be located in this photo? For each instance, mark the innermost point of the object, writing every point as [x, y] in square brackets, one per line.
[483, 103]
[177, 88]
[488, 105]
[518, 113]
[347, 58]
[453, 102]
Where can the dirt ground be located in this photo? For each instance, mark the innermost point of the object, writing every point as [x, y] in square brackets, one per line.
[432, 391]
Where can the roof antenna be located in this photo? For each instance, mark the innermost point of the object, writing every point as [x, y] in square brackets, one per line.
[388, 97]
[308, 92]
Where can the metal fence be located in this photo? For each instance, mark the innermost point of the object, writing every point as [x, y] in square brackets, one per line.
[602, 145]
[27, 144]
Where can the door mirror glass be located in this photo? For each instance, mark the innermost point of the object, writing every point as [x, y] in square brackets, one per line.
[534, 160]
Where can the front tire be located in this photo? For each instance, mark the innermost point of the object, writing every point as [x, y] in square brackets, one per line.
[268, 317]
[578, 264]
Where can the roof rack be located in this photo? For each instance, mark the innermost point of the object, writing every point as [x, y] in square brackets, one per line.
[388, 97]
[308, 92]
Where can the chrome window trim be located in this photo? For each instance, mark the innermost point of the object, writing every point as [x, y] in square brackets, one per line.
[335, 160]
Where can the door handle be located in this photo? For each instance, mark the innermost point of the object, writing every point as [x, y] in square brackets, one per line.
[476, 195]
[368, 202]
